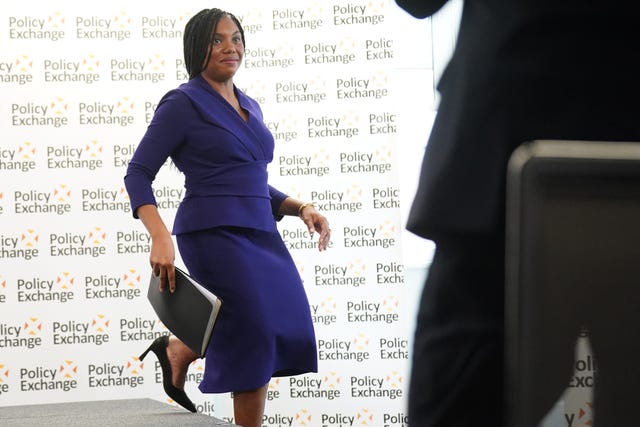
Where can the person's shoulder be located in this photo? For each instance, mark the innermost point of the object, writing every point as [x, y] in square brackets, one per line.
[175, 97]
[176, 93]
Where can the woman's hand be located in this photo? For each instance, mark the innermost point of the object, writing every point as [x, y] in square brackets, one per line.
[163, 253]
[315, 221]
[162, 258]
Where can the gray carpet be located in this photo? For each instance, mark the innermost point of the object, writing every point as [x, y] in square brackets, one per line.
[134, 412]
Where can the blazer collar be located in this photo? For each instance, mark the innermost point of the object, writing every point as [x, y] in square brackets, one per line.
[216, 110]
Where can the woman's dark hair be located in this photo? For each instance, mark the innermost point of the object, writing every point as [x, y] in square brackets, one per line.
[198, 35]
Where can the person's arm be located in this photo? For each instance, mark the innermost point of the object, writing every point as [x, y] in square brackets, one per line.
[162, 254]
[421, 8]
[314, 220]
[163, 135]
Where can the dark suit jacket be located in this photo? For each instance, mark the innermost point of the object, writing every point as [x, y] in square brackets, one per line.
[521, 70]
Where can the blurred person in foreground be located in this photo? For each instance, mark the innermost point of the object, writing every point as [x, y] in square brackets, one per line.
[521, 70]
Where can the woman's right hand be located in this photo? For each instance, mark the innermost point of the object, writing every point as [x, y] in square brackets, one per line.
[163, 253]
[162, 258]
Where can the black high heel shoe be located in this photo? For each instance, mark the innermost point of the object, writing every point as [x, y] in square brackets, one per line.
[159, 347]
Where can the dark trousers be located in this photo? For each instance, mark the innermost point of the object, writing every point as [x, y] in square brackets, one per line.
[457, 366]
[457, 372]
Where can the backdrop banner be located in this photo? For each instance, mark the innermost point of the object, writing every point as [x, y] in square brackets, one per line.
[80, 83]
[346, 87]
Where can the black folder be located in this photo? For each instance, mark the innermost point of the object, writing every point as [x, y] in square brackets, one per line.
[189, 313]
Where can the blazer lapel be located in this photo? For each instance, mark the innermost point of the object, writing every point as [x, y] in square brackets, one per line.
[216, 110]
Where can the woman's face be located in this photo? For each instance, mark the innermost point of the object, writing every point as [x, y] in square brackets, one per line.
[227, 51]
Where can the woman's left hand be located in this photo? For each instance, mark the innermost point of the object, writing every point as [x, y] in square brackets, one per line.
[316, 222]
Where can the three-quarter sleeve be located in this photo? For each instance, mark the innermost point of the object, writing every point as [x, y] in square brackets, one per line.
[277, 197]
[164, 134]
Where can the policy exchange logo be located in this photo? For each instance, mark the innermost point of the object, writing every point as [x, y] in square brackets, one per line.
[4, 379]
[18, 71]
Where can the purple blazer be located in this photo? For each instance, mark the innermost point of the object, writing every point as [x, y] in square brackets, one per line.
[224, 160]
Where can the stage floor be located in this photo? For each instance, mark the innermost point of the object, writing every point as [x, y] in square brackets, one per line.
[134, 412]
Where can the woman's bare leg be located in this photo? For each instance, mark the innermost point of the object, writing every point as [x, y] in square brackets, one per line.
[180, 356]
[248, 406]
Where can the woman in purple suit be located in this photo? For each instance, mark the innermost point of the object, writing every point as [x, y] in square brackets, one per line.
[226, 226]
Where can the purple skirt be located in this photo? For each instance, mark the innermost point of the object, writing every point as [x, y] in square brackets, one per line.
[264, 328]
